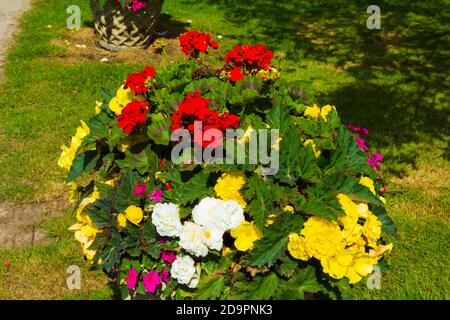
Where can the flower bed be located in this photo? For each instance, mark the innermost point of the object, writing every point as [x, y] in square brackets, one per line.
[302, 215]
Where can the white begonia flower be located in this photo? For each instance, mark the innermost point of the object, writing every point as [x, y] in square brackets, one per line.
[228, 215]
[213, 237]
[191, 239]
[183, 269]
[204, 212]
[166, 219]
[194, 282]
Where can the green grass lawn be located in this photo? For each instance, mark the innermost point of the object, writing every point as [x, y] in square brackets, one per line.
[394, 81]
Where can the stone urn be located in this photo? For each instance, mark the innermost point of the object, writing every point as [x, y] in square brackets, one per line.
[120, 28]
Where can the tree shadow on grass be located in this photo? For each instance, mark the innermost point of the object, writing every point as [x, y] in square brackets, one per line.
[401, 83]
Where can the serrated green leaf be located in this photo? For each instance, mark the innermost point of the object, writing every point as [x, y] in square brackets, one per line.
[267, 250]
[84, 162]
[209, 288]
[159, 129]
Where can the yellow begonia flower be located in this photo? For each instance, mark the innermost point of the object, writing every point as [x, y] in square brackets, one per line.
[68, 153]
[134, 214]
[323, 237]
[270, 219]
[315, 111]
[122, 98]
[350, 208]
[361, 265]
[378, 251]
[246, 234]
[325, 111]
[372, 230]
[337, 265]
[316, 150]
[312, 112]
[297, 247]
[367, 182]
[122, 220]
[288, 208]
[228, 187]
[98, 107]
[226, 251]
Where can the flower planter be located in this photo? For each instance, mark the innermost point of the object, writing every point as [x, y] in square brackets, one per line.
[118, 28]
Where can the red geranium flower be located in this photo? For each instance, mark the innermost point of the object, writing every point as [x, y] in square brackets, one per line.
[247, 60]
[138, 82]
[132, 115]
[193, 43]
[195, 108]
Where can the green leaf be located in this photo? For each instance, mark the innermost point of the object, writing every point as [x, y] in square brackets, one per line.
[260, 288]
[348, 157]
[387, 223]
[303, 281]
[273, 244]
[100, 213]
[139, 160]
[209, 288]
[263, 194]
[189, 191]
[278, 118]
[159, 129]
[110, 258]
[84, 162]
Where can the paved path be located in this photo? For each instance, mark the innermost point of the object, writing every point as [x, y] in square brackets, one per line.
[10, 10]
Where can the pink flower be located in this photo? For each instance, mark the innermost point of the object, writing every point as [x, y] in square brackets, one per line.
[361, 143]
[151, 281]
[378, 157]
[156, 195]
[140, 189]
[168, 256]
[132, 279]
[374, 164]
[165, 276]
[383, 190]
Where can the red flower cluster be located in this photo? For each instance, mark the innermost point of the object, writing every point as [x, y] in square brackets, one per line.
[138, 82]
[132, 115]
[193, 43]
[195, 108]
[247, 59]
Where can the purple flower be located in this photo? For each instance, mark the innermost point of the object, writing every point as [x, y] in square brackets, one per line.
[168, 256]
[132, 279]
[165, 276]
[151, 281]
[364, 131]
[140, 189]
[156, 195]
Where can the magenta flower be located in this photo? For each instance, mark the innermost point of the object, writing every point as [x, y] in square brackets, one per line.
[361, 143]
[374, 164]
[168, 256]
[362, 131]
[165, 276]
[378, 157]
[151, 281]
[140, 189]
[156, 195]
[383, 190]
[132, 279]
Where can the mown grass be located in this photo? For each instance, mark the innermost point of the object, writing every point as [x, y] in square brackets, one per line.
[394, 81]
